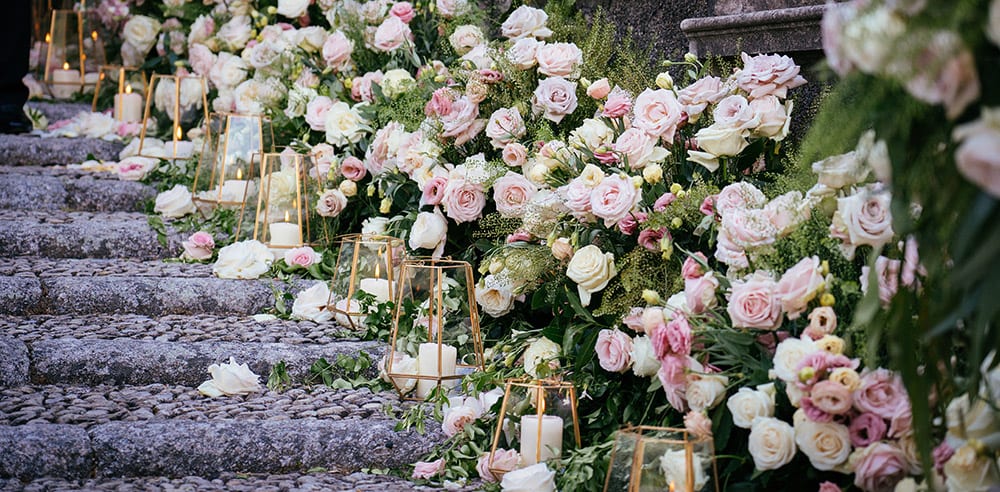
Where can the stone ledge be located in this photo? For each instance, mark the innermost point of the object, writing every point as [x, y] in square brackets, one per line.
[29, 150]
[39, 450]
[82, 235]
[85, 193]
[14, 362]
[769, 31]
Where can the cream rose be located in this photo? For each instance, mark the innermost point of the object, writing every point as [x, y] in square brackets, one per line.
[140, 32]
[522, 53]
[774, 117]
[866, 217]
[644, 362]
[228, 72]
[541, 351]
[748, 404]
[827, 445]
[559, 59]
[495, 295]
[344, 124]
[236, 33]
[968, 470]
[331, 203]
[293, 9]
[591, 269]
[311, 304]
[397, 82]
[230, 379]
[534, 478]
[721, 140]
[526, 22]
[428, 231]
[175, 202]
[840, 170]
[771, 443]
[788, 354]
[704, 392]
[465, 38]
[243, 260]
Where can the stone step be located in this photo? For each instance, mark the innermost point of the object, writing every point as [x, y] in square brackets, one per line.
[291, 482]
[59, 188]
[91, 286]
[54, 234]
[31, 150]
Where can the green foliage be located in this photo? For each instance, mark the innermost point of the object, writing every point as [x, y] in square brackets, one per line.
[279, 380]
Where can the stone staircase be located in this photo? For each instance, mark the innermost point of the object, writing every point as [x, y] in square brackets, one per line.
[103, 344]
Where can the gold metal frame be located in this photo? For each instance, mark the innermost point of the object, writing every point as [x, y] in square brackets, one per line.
[102, 74]
[357, 243]
[303, 165]
[57, 37]
[641, 434]
[176, 132]
[210, 155]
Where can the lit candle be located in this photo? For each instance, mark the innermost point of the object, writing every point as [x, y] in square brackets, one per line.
[550, 438]
[285, 233]
[65, 82]
[234, 190]
[427, 365]
[378, 287]
[128, 106]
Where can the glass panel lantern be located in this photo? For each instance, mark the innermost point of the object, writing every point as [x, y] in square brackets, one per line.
[367, 264]
[650, 459]
[230, 160]
[435, 327]
[123, 89]
[533, 420]
[175, 104]
[65, 62]
[282, 214]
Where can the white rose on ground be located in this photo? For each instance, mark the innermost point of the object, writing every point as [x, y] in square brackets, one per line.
[293, 9]
[771, 443]
[673, 464]
[457, 417]
[311, 304]
[175, 202]
[828, 445]
[230, 379]
[748, 404]
[140, 32]
[340, 314]
[538, 352]
[135, 168]
[401, 364]
[644, 357]
[243, 260]
[534, 478]
[591, 269]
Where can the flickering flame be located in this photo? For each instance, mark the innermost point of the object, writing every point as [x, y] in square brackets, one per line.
[288, 216]
[178, 133]
[377, 271]
[65, 65]
[671, 486]
[239, 175]
[93, 35]
[48, 38]
[128, 90]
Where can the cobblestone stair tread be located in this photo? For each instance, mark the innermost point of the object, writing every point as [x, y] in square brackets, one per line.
[56, 188]
[30, 150]
[293, 482]
[82, 235]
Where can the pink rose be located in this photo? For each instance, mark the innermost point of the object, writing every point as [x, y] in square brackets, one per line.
[613, 350]
[799, 285]
[425, 470]
[201, 58]
[135, 168]
[633, 320]
[658, 113]
[708, 205]
[822, 322]
[630, 222]
[753, 303]
[887, 273]
[673, 378]
[866, 429]
[316, 111]
[361, 87]
[944, 72]
[814, 413]
[698, 424]
[768, 74]
[353, 168]
[942, 453]
[978, 155]
[697, 96]
[638, 148]
[323, 154]
[331, 203]
[456, 418]
[403, 10]
[599, 89]
[650, 238]
[522, 53]
[692, 268]
[673, 338]
[462, 121]
[558, 59]
[911, 263]
[619, 103]
[377, 158]
[391, 34]
[771, 116]
[337, 51]
[440, 103]
[199, 246]
[514, 154]
[302, 257]
[821, 363]
[503, 459]
[734, 112]
[829, 487]
[879, 467]
[613, 199]
[864, 217]
[504, 127]
[741, 195]
[664, 201]
[831, 397]
[748, 228]
[700, 293]
[463, 201]
[512, 192]
[576, 196]
[488, 76]
[555, 97]
[518, 236]
[881, 393]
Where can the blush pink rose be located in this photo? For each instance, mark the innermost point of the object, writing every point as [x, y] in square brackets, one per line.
[658, 113]
[613, 350]
[518, 236]
[692, 268]
[456, 418]
[302, 257]
[978, 155]
[440, 103]
[702, 92]
[425, 469]
[554, 98]
[708, 205]
[599, 89]
[700, 293]
[639, 148]
[514, 154]
[799, 285]
[391, 34]
[735, 112]
[316, 111]
[831, 397]
[361, 87]
[403, 10]
[512, 193]
[323, 154]
[613, 199]
[462, 122]
[881, 393]
[664, 201]
[337, 51]
[650, 238]
[866, 429]
[201, 58]
[503, 459]
[673, 378]
[463, 201]
[698, 424]
[748, 228]
[619, 103]
[753, 303]
[741, 195]
[762, 75]
[199, 246]
[630, 222]
[353, 168]
[433, 192]
[558, 59]
[822, 322]
[944, 72]
[879, 467]
[829, 487]
[633, 320]
[576, 196]
[504, 127]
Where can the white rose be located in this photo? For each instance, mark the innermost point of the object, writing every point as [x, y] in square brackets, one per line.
[429, 231]
[401, 364]
[135, 168]
[522, 53]
[228, 72]
[840, 170]
[967, 470]
[721, 140]
[865, 217]
[644, 362]
[505, 126]
[175, 202]
[971, 419]
[705, 391]
[748, 404]
[775, 117]
[236, 33]
[771, 443]
[344, 124]
[97, 125]
[342, 307]
[827, 445]
[591, 269]
[293, 9]
[243, 260]
[526, 22]
[311, 39]
[540, 351]
[397, 82]
[140, 32]
[592, 134]
[534, 478]
[374, 226]
[465, 38]
[230, 379]
[673, 464]
[788, 355]
[311, 304]
[495, 295]
[559, 59]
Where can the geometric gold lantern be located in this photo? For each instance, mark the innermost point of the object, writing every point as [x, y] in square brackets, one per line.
[435, 336]
[115, 88]
[534, 415]
[230, 160]
[646, 458]
[175, 104]
[367, 265]
[281, 221]
[72, 55]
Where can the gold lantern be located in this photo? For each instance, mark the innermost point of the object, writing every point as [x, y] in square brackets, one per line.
[646, 458]
[367, 264]
[435, 338]
[73, 55]
[533, 417]
[230, 159]
[181, 101]
[287, 181]
[123, 89]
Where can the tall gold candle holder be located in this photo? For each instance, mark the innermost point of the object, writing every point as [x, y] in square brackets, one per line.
[282, 214]
[73, 55]
[367, 264]
[181, 101]
[230, 159]
[646, 458]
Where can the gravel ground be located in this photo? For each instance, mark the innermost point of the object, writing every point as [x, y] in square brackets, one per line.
[57, 234]
[91, 267]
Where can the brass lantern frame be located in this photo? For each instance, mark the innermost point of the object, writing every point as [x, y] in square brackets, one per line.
[303, 165]
[642, 436]
[102, 72]
[176, 128]
[56, 38]
[211, 153]
[357, 242]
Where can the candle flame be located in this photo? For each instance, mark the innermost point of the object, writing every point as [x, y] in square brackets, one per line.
[239, 175]
[48, 37]
[65, 65]
[128, 89]
[671, 486]
[178, 133]
[378, 270]
[288, 216]
[93, 35]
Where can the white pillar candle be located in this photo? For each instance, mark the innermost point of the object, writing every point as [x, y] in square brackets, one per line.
[378, 287]
[90, 82]
[551, 438]
[233, 190]
[285, 234]
[65, 82]
[128, 106]
[184, 149]
[427, 365]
